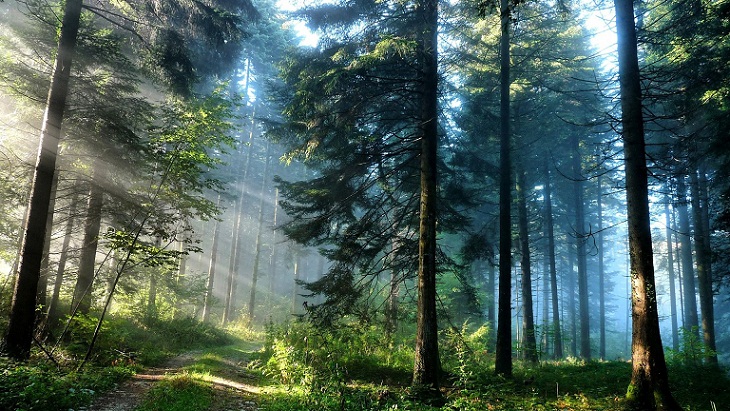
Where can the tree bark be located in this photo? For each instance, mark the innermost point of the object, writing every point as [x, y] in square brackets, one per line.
[556, 329]
[670, 272]
[427, 364]
[54, 313]
[691, 320]
[601, 275]
[259, 238]
[87, 268]
[19, 333]
[529, 344]
[503, 355]
[208, 300]
[704, 276]
[649, 386]
[580, 247]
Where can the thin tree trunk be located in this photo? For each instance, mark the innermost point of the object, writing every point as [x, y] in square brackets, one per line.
[572, 323]
[87, 268]
[427, 364]
[503, 356]
[54, 313]
[649, 386]
[46, 262]
[259, 237]
[208, 300]
[491, 300]
[274, 250]
[581, 254]
[19, 334]
[704, 278]
[529, 344]
[601, 274]
[691, 321]
[556, 328]
[670, 272]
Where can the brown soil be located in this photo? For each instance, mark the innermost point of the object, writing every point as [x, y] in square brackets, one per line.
[231, 393]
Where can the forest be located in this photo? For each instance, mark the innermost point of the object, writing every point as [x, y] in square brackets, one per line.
[364, 205]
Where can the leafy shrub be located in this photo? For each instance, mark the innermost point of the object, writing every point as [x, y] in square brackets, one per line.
[39, 387]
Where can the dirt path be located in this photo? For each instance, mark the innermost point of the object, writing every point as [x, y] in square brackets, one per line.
[232, 393]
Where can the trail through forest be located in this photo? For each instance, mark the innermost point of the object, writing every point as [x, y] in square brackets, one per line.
[230, 381]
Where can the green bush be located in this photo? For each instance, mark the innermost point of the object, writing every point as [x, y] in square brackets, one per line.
[39, 387]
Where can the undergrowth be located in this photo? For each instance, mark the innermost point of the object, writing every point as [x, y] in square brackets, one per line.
[359, 368]
[122, 348]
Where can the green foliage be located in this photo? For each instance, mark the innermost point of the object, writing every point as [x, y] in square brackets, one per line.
[178, 393]
[321, 360]
[123, 340]
[692, 349]
[37, 386]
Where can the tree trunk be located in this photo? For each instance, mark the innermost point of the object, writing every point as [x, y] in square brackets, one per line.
[87, 268]
[54, 313]
[491, 305]
[46, 262]
[601, 274]
[649, 386]
[503, 356]
[259, 238]
[273, 255]
[19, 333]
[232, 273]
[691, 321]
[670, 272]
[208, 300]
[571, 280]
[391, 314]
[529, 344]
[580, 242]
[556, 329]
[427, 365]
[704, 278]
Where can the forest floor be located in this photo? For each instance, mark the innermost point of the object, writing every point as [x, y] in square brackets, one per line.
[233, 386]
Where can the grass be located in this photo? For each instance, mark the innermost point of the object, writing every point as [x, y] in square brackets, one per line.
[303, 368]
[184, 392]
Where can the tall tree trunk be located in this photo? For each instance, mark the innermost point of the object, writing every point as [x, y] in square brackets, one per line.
[19, 334]
[649, 386]
[46, 262]
[232, 274]
[208, 300]
[556, 328]
[704, 278]
[54, 314]
[427, 365]
[529, 344]
[491, 304]
[503, 356]
[295, 292]
[581, 254]
[87, 261]
[273, 255]
[391, 314]
[691, 321]
[670, 272]
[259, 238]
[601, 274]
[572, 323]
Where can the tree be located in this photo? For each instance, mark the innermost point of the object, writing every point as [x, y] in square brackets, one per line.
[503, 359]
[19, 334]
[427, 363]
[649, 386]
